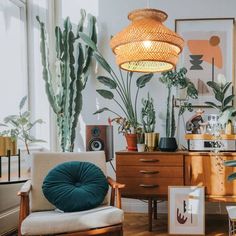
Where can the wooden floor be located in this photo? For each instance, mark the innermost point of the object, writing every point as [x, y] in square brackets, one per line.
[137, 225]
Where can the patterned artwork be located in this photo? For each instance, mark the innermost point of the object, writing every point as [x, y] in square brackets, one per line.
[186, 210]
[208, 51]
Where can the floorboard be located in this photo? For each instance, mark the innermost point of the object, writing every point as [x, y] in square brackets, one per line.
[137, 224]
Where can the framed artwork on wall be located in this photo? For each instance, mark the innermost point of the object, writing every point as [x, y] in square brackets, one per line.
[186, 210]
[208, 52]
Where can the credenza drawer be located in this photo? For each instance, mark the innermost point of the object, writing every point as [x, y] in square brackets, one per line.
[153, 160]
[148, 186]
[150, 171]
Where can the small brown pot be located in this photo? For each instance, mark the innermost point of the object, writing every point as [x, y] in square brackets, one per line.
[131, 140]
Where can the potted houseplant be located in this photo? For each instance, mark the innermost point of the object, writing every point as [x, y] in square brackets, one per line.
[175, 79]
[64, 88]
[18, 128]
[118, 89]
[140, 142]
[148, 116]
[222, 105]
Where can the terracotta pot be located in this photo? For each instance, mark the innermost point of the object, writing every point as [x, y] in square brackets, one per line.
[131, 140]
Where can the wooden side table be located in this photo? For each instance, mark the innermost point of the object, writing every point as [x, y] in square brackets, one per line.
[147, 175]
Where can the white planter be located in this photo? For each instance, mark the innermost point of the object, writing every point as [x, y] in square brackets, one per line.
[141, 147]
[28, 162]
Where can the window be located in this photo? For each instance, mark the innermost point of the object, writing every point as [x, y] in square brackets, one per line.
[13, 55]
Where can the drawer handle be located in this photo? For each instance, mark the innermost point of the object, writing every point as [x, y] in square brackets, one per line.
[149, 160]
[149, 172]
[149, 185]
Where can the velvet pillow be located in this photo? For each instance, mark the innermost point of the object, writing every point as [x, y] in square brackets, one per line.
[75, 186]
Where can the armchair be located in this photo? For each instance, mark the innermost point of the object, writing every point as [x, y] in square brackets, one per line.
[39, 217]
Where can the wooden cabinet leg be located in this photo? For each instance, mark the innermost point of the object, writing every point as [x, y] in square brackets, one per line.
[150, 215]
[155, 209]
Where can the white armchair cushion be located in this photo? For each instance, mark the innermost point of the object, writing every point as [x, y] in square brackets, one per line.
[53, 222]
[43, 162]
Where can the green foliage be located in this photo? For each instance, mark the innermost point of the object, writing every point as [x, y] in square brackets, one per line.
[64, 91]
[18, 127]
[222, 104]
[231, 163]
[148, 115]
[176, 79]
[121, 90]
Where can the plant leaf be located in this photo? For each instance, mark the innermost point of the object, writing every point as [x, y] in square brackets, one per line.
[219, 96]
[102, 62]
[142, 80]
[211, 104]
[101, 110]
[230, 163]
[105, 93]
[228, 100]
[213, 85]
[88, 41]
[231, 177]
[107, 82]
[22, 102]
[227, 85]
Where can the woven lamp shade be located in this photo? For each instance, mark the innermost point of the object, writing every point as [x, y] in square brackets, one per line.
[146, 45]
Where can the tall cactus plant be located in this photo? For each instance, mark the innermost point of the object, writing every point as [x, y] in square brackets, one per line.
[64, 90]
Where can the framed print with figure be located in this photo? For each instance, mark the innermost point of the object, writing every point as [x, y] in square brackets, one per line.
[186, 210]
[207, 53]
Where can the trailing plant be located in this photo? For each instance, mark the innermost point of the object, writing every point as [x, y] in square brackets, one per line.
[148, 115]
[19, 126]
[64, 90]
[222, 104]
[119, 88]
[179, 80]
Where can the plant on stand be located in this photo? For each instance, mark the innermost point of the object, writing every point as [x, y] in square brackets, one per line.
[19, 127]
[175, 79]
[148, 115]
[64, 90]
[119, 91]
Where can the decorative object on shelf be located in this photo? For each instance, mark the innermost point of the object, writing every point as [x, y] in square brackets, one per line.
[19, 127]
[140, 142]
[179, 80]
[148, 116]
[208, 52]
[127, 102]
[186, 210]
[71, 75]
[196, 124]
[146, 45]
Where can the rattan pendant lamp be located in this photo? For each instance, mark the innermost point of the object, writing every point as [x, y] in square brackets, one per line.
[146, 45]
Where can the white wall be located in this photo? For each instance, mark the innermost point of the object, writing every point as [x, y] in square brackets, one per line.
[112, 17]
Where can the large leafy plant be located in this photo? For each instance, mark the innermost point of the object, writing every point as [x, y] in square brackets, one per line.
[223, 101]
[64, 90]
[177, 79]
[119, 88]
[19, 126]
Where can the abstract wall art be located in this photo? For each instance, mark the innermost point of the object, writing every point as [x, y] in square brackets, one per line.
[208, 51]
[186, 211]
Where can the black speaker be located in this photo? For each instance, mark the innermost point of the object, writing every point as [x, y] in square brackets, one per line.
[100, 137]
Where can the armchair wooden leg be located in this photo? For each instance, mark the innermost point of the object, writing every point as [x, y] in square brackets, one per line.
[24, 211]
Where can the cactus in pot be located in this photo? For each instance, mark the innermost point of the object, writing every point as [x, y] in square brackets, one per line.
[148, 115]
[64, 90]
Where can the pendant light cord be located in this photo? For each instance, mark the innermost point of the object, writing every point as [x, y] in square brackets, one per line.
[148, 3]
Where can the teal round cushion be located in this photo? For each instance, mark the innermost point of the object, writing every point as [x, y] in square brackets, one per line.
[75, 186]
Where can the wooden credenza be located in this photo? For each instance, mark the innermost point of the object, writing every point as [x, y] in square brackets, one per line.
[147, 175]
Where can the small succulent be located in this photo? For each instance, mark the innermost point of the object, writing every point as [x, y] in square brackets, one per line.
[148, 115]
